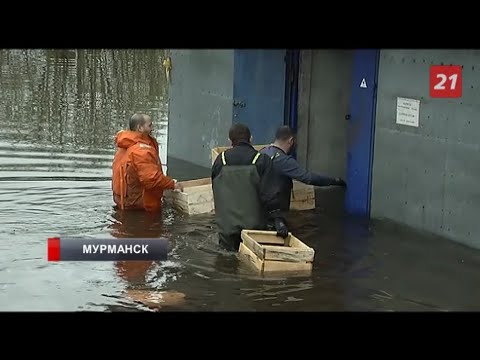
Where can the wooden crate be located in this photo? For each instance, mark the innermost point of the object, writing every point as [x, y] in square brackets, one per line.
[303, 195]
[269, 253]
[196, 198]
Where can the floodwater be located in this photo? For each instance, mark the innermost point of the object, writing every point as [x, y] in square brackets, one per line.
[59, 110]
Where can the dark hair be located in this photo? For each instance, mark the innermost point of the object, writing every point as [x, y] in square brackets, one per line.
[239, 132]
[137, 120]
[284, 133]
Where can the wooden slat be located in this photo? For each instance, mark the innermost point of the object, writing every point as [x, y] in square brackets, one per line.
[202, 208]
[298, 185]
[250, 243]
[196, 182]
[200, 196]
[250, 257]
[283, 253]
[265, 237]
[308, 204]
[285, 266]
[302, 194]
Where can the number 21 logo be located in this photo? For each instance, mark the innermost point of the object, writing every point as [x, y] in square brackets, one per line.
[445, 81]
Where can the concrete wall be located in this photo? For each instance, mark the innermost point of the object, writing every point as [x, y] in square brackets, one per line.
[428, 177]
[200, 103]
[323, 102]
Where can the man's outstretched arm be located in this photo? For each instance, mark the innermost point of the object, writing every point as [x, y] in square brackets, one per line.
[291, 168]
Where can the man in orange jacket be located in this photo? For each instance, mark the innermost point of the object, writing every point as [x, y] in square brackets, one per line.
[138, 181]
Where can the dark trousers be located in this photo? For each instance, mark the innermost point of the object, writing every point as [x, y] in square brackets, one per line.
[230, 242]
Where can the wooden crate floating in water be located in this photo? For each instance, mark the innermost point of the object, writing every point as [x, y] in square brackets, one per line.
[270, 253]
[303, 195]
[196, 198]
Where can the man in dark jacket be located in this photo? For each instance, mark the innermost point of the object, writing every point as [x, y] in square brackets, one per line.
[242, 191]
[287, 169]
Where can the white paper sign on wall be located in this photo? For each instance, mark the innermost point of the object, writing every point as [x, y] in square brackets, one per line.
[408, 111]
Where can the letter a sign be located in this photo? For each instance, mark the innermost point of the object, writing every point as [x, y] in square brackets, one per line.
[363, 84]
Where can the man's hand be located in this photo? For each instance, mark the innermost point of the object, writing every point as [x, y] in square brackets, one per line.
[339, 182]
[179, 186]
[281, 228]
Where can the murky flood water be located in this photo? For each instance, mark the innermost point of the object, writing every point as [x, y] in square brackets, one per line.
[59, 111]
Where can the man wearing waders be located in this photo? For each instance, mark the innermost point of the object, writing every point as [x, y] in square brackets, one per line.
[286, 168]
[242, 191]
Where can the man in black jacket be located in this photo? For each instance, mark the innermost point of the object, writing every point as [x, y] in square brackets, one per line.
[242, 191]
[286, 168]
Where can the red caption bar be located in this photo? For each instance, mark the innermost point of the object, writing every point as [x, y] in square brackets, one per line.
[54, 249]
[94, 249]
[446, 81]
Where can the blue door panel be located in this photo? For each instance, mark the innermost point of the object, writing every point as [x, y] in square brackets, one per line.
[259, 91]
[361, 132]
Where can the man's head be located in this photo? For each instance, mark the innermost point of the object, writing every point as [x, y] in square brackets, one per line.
[239, 133]
[141, 123]
[285, 139]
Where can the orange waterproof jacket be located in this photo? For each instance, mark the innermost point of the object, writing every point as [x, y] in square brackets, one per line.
[138, 181]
